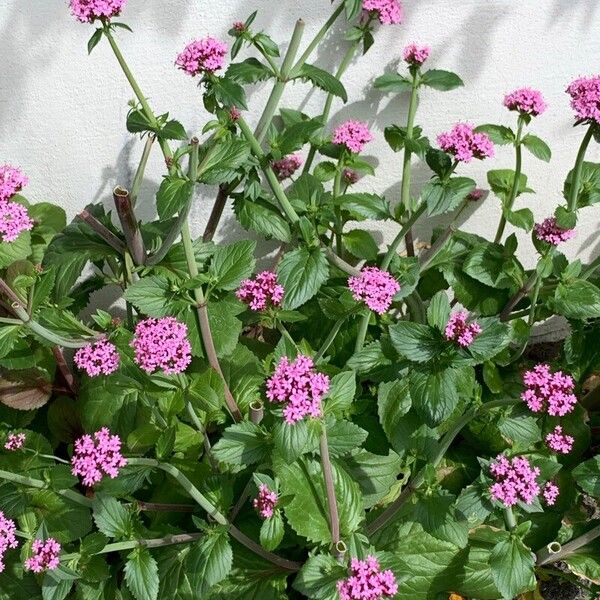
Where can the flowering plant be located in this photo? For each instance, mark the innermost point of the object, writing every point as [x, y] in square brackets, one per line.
[342, 423]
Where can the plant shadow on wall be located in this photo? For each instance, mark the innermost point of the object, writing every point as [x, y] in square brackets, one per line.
[354, 424]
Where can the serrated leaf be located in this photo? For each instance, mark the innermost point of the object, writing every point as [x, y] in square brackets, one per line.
[537, 147]
[441, 80]
[344, 437]
[341, 393]
[301, 273]
[434, 394]
[141, 575]
[111, 517]
[173, 196]
[209, 562]
[512, 566]
[242, 444]
[416, 342]
[271, 532]
[393, 82]
[587, 476]
[324, 80]
[232, 263]
[250, 70]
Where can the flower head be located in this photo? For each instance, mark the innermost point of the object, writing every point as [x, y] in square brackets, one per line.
[261, 292]
[12, 181]
[548, 231]
[476, 195]
[8, 538]
[459, 331]
[88, 11]
[14, 441]
[367, 581]
[97, 456]
[374, 287]
[234, 114]
[45, 556]
[350, 176]
[14, 219]
[465, 144]
[299, 386]
[526, 101]
[389, 12]
[239, 27]
[202, 56]
[515, 480]
[98, 358]
[416, 55]
[551, 493]
[162, 344]
[352, 134]
[265, 502]
[559, 442]
[287, 166]
[548, 391]
[585, 98]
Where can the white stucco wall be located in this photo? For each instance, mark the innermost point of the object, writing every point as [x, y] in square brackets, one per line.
[63, 113]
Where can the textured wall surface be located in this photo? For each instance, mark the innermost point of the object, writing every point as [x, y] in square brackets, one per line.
[63, 113]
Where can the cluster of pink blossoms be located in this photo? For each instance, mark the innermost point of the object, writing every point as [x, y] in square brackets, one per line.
[374, 287]
[7, 537]
[459, 331]
[465, 144]
[548, 231]
[261, 292]
[585, 98]
[350, 176]
[12, 181]
[547, 391]
[45, 556]
[98, 456]
[352, 134]
[88, 11]
[416, 55]
[389, 12]
[298, 385]
[368, 581]
[559, 442]
[162, 344]
[14, 441]
[265, 502]
[100, 358]
[287, 166]
[551, 493]
[14, 218]
[516, 480]
[527, 101]
[202, 56]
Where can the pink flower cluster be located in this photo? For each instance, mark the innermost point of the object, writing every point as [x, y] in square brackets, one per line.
[234, 114]
[98, 456]
[14, 441]
[527, 101]
[265, 502]
[389, 12]
[88, 11]
[162, 344]
[287, 166]
[551, 493]
[202, 56]
[459, 331]
[14, 219]
[548, 231]
[374, 287]
[416, 55]
[368, 581]
[515, 480]
[465, 144]
[261, 292]
[45, 556]
[12, 181]
[352, 134]
[559, 442]
[99, 358]
[547, 391]
[350, 176]
[585, 98]
[7, 537]
[298, 385]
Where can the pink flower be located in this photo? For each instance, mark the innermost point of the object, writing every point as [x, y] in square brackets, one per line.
[12, 181]
[374, 287]
[416, 55]
[350, 176]
[202, 56]
[352, 134]
[162, 344]
[98, 456]
[465, 144]
[476, 195]
[14, 219]
[547, 391]
[551, 493]
[7, 537]
[45, 556]
[88, 11]
[548, 231]
[287, 166]
[459, 331]
[367, 581]
[261, 292]
[14, 441]
[515, 480]
[265, 502]
[526, 101]
[298, 385]
[559, 442]
[389, 12]
[99, 358]
[585, 98]
[234, 114]
[239, 27]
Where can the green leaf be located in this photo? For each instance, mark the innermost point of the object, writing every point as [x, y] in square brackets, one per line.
[344, 437]
[492, 340]
[242, 444]
[439, 162]
[228, 93]
[250, 70]
[587, 476]
[589, 185]
[512, 566]
[393, 402]
[209, 561]
[55, 589]
[94, 40]
[501, 183]
[537, 147]
[11, 252]
[292, 440]
[295, 136]
[393, 82]
[341, 393]
[361, 244]
[141, 575]
[262, 217]
[416, 342]
[137, 122]
[434, 394]
[577, 299]
[319, 576]
[232, 263]
[225, 327]
[267, 44]
[9, 334]
[490, 264]
[442, 196]
[301, 273]
[438, 311]
[222, 160]
[365, 206]
[111, 517]
[522, 218]
[173, 196]
[325, 171]
[154, 296]
[172, 130]
[497, 133]
[324, 80]
[443, 81]
[271, 532]
[435, 512]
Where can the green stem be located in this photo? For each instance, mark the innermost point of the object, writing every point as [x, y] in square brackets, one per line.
[8, 321]
[549, 555]
[387, 259]
[590, 269]
[334, 517]
[362, 331]
[202, 430]
[329, 339]
[139, 174]
[286, 334]
[578, 170]
[509, 518]
[339, 224]
[340, 263]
